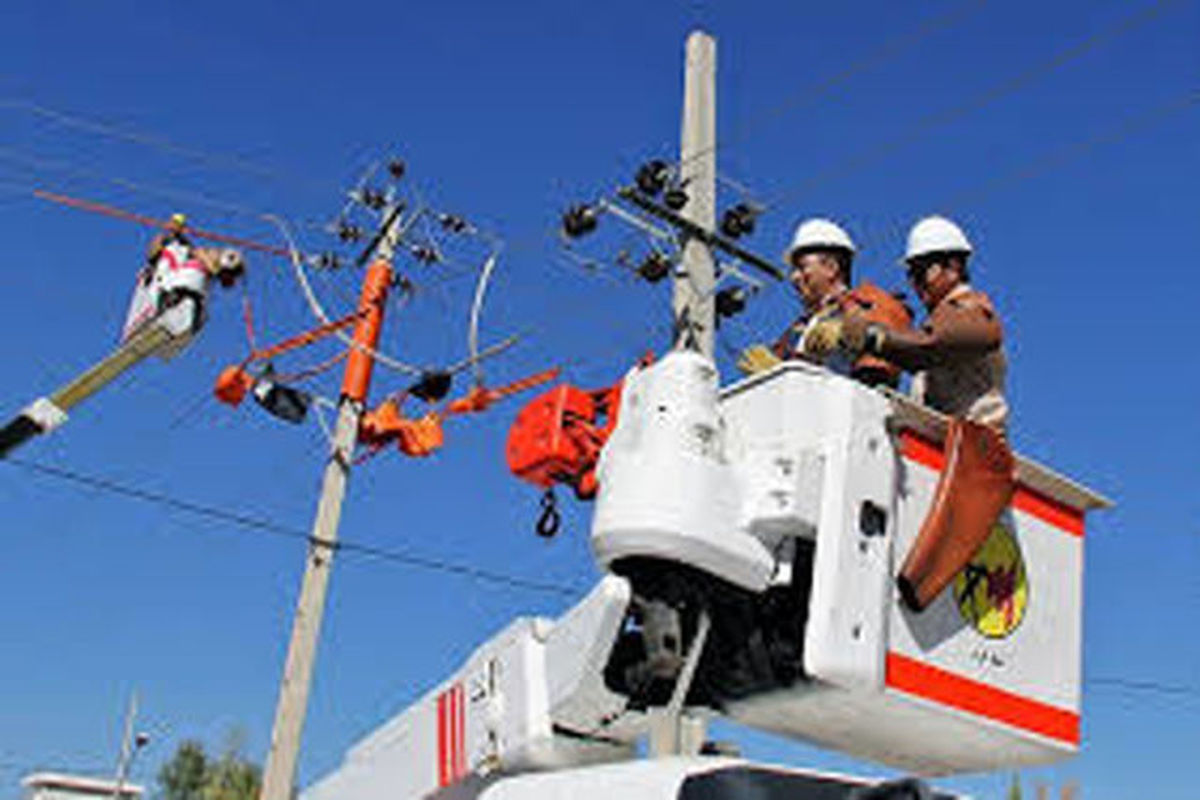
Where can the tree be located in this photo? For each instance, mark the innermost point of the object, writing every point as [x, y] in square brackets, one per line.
[193, 775]
[1014, 789]
[184, 776]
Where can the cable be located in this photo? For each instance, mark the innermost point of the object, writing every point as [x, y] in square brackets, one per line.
[157, 142]
[264, 526]
[1006, 87]
[890, 49]
[1177, 690]
[38, 163]
[120, 213]
[1142, 121]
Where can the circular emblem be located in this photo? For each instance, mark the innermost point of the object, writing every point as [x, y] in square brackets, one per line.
[992, 591]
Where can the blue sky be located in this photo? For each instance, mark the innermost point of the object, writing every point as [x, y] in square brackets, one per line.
[1063, 135]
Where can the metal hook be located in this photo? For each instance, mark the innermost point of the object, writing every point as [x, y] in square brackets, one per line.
[550, 519]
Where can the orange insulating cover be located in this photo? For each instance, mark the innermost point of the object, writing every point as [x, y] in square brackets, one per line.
[978, 481]
[361, 360]
[421, 436]
[878, 305]
[540, 450]
[232, 385]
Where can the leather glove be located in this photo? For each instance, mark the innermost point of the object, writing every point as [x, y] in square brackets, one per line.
[860, 335]
[821, 338]
[756, 358]
[854, 332]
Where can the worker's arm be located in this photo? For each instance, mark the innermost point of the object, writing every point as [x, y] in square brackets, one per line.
[960, 328]
[155, 248]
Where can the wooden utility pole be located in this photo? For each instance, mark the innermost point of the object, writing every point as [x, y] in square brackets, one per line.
[693, 304]
[279, 775]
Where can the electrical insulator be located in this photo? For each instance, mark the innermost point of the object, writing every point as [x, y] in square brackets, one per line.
[426, 255]
[349, 233]
[738, 220]
[452, 223]
[327, 261]
[675, 198]
[652, 177]
[396, 169]
[373, 199]
[730, 301]
[655, 267]
[432, 386]
[579, 220]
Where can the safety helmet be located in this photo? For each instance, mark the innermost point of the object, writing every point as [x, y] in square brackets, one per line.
[818, 234]
[936, 235]
[178, 220]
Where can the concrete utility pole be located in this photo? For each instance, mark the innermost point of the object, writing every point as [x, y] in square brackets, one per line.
[131, 743]
[674, 731]
[693, 305]
[279, 775]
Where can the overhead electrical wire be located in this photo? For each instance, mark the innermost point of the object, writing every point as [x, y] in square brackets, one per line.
[1001, 89]
[1138, 122]
[156, 142]
[259, 525]
[38, 163]
[890, 49]
[265, 526]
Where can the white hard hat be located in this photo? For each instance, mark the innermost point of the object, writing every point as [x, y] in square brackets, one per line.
[936, 235]
[819, 234]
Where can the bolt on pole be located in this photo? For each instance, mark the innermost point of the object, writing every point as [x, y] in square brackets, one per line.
[692, 302]
[279, 775]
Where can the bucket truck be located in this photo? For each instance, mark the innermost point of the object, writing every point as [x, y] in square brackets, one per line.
[750, 537]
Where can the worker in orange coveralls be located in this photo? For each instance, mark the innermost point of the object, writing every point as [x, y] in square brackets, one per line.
[820, 256]
[959, 365]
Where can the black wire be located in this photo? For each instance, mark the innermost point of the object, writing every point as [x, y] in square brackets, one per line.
[428, 562]
[1177, 690]
[1001, 89]
[276, 529]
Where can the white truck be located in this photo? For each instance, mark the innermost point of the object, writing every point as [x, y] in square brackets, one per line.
[750, 538]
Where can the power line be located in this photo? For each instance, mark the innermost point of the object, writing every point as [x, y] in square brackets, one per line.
[1020, 80]
[1138, 123]
[810, 95]
[35, 163]
[1154, 687]
[260, 525]
[268, 527]
[156, 142]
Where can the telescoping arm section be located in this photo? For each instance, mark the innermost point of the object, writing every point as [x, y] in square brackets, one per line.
[171, 331]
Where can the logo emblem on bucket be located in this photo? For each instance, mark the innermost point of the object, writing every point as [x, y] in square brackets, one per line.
[992, 591]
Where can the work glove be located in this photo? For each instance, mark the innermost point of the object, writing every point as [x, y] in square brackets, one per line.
[821, 338]
[860, 334]
[854, 332]
[756, 358]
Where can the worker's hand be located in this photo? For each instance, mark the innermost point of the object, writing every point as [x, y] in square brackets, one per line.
[854, 332]
[756, 358]
[821, 338]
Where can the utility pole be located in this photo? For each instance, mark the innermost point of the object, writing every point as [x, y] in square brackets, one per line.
[131, 743]
[280, 772]
[693, 304]
[673, 731]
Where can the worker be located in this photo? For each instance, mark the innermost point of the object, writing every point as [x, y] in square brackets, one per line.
[176, 269]
[821, 256]
[958, 360]
[175, 233]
